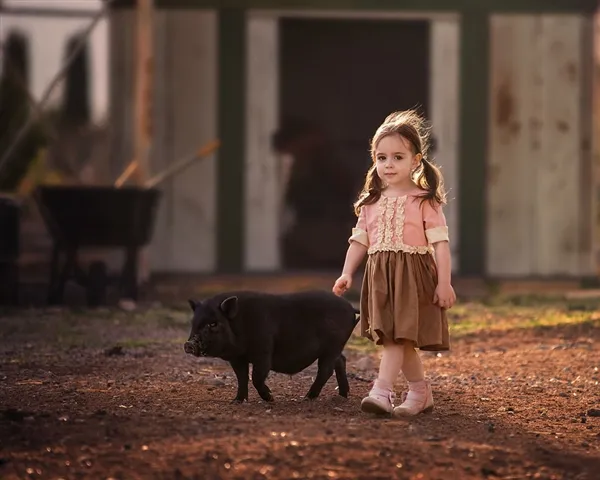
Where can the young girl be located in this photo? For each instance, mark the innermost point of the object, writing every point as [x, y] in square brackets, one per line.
[405, 291]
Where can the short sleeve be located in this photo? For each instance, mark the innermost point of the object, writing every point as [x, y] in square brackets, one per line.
[434, 220]
[359, 233]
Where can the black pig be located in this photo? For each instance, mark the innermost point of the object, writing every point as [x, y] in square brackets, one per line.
[284, 333]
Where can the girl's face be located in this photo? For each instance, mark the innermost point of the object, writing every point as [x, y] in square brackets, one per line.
[395, 161]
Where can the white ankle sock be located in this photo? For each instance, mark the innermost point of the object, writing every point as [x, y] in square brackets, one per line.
[418, 387]
[383, 384]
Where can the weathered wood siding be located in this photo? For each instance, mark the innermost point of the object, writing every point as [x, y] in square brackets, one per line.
[184, 118]
[538, 200]
[262, 118]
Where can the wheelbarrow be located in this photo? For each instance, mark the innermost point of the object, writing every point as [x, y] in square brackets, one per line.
[96, 217]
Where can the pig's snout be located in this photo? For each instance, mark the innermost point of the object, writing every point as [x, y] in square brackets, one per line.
[191, 348]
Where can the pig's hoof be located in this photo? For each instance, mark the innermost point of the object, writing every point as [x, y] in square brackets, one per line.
[239, 400]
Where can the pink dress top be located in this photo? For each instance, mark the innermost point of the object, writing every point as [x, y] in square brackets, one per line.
[400, 224]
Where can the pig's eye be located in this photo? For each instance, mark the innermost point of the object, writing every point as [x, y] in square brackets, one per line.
[212, 325]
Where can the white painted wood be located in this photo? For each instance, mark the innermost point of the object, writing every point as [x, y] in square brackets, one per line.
[262, 205]
[514, 137]
[100, 72]
[185, 233]
[444, 93]
[559, 167]
[535, 149]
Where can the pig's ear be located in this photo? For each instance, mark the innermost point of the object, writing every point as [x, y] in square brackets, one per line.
[229, 307]
[193, 304]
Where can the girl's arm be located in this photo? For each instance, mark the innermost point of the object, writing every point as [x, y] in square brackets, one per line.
[355, 254]
[443, 261]
[359, 245]
[444, 295]
[436, 231]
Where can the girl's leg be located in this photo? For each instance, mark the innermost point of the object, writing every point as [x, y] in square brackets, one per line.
[391, 362]
[419, 398]
[412, 367]
[380, 398]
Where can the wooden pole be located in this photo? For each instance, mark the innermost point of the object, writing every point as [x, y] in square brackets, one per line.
[143, 91]
[143, 111]
[183, 163]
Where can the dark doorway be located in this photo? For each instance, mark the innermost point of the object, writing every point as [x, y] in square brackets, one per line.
[338, 80]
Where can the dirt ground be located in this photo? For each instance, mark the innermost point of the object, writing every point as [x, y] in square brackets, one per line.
[111, 394]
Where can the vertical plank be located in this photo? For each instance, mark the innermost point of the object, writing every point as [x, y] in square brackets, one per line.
[262, 203]
[159, 250]
[558, 175]
[474, 42]
[444, 85]
[539, 214]
[533, 148]
[142, 88]
[189, 107]
[121, 88]
[230, 165]
[100, 68]
[596, 144]
[588, 239]
[515, 144]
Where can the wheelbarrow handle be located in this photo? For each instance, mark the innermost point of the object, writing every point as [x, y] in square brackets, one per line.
[183, 163]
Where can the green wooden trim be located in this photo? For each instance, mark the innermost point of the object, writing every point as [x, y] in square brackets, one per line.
[519, 6]
[231, 124]
[474, 91]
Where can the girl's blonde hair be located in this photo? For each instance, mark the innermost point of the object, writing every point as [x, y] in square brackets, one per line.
[412, 127]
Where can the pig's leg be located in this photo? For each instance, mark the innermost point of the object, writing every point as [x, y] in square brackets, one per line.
[324, 373]
[260, 371]
[340, 375]
[240, 367]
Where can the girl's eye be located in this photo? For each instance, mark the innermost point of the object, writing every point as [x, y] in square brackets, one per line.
[381, 159]
[398, 157]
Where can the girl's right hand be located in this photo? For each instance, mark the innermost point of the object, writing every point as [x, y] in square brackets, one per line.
[342, 284]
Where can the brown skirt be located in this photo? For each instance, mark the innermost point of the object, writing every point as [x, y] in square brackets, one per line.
[397, 301]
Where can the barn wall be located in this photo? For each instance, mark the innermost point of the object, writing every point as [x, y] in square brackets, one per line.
[262, 205]
[184, 118]
[538, 212]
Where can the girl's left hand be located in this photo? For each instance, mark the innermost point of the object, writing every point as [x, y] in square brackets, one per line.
[444, 295]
